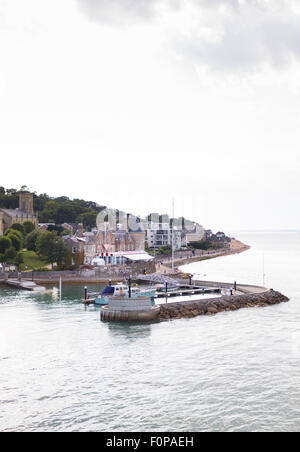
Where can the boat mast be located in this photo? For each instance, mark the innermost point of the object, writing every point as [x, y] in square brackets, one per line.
[264, 274]
[173, 236]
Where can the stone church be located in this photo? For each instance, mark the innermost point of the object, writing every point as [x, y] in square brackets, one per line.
[24, 213]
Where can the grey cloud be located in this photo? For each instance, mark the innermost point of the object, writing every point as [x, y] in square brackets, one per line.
[119, 12]
[247, 43]
[253, 32]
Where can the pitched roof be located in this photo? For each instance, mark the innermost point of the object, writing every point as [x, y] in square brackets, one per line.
[14, 213]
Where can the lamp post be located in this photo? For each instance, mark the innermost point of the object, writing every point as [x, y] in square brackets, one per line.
[129, 286]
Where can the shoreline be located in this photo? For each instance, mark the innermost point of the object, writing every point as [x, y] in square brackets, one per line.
[236, 247]
[246, 296]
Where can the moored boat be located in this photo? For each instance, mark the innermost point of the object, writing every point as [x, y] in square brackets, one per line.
[123, 290]
[227, 292]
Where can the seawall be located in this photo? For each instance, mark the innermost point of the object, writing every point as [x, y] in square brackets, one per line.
[98, 275]
[236, 247]
[212, 306]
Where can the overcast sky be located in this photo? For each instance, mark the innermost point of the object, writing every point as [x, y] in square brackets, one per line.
[133, 102]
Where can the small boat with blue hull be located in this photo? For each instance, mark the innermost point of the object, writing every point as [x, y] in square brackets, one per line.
[122, 290]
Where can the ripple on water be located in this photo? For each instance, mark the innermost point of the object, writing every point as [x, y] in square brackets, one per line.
[64, 370]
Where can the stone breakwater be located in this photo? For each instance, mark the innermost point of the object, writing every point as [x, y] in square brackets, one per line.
[213, 306]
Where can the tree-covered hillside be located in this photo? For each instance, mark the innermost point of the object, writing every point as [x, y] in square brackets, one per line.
[54, 210]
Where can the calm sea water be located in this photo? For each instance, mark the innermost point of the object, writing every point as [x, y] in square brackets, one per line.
[61, 369]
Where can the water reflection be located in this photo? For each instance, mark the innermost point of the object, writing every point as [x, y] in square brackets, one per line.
[71, 295]
[133, 331]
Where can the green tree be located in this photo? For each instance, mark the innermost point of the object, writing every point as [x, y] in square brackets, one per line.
[19, 260]
[55, 228]
[10, 255]
[31, 239]
[88, 219]
[60, 251]
[50, 247]
[10, 199]
[50, 210]
[39, 201]
[202, 245]
[48, 215]
[65, 213]
[2, 258]
[16, 242]
[65, 232]
[18, 227]
[25, 189]
[28, 227]
[5, 243]
[15, 232]
[45, 244]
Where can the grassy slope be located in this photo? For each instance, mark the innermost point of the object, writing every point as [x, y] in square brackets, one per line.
[32, 260]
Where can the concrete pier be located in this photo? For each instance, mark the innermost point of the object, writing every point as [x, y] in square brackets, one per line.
[25, 285]
[184, 291]
[129, 310]
[243, 296]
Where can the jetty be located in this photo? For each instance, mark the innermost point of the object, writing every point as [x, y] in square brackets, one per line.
[25, 285]
[238, 296]
[194, 308]
[186, 291]
[166, 293]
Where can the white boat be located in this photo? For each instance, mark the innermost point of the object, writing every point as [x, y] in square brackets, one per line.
[122, 290]
[227, 292]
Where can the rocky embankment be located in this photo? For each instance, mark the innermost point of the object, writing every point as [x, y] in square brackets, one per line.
[215, 305]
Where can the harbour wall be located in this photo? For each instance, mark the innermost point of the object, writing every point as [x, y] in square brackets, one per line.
[84, 276]
[212, 306]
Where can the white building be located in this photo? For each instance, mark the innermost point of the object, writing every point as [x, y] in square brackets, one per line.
[196, 235]
[160, 235]
[121, 258]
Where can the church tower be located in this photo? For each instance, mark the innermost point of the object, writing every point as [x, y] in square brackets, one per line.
[26, 203]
